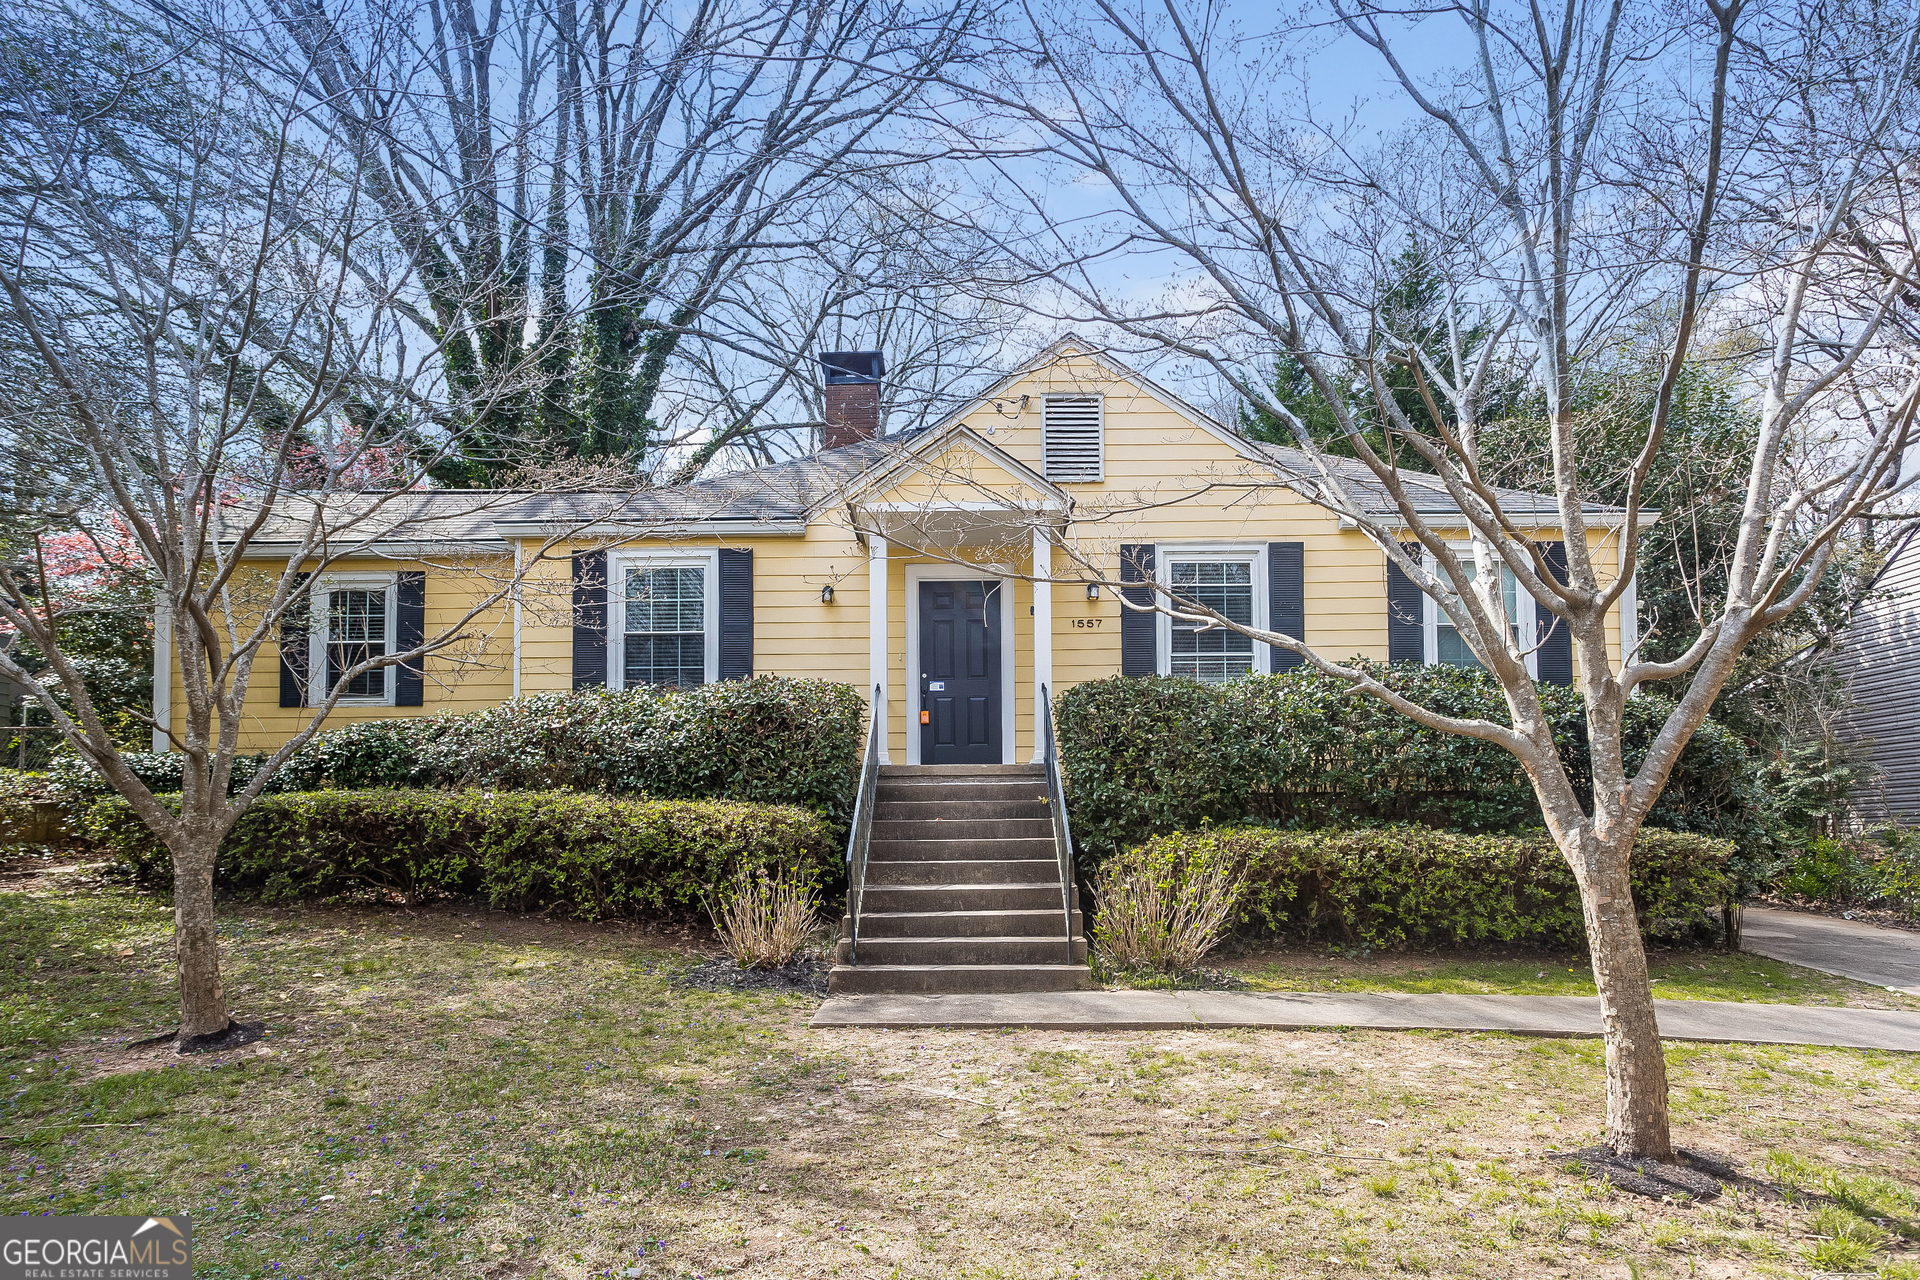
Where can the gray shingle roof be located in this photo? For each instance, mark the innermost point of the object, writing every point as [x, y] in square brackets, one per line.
[784, 493]
[1430, 497]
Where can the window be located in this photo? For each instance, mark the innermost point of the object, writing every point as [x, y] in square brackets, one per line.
[1444, 643]
[1225, 586]
[354, 622]
[1070, 439]
[664, 639]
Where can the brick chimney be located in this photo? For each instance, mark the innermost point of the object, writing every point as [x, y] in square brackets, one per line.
[852, 395]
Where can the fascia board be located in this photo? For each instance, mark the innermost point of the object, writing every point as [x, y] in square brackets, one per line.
[743, 528]
[376, 550]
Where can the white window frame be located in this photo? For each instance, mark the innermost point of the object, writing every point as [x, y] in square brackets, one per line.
[1100, 434]
[1431, 614]
[620, 564]
[1164, 554]
[320, 614]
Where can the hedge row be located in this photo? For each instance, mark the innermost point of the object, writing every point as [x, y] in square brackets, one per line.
[1146, 756]
[768, 739]
[591, 856]
[1387, 886]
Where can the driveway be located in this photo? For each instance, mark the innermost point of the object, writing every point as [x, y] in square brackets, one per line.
[1885, 957]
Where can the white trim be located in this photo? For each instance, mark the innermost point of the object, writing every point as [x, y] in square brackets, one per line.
[162, 673]
[342, 550]
[1042, 633]
[891, 470]
[915, 575]
[519, 567]
[1629, 606]
[1430, 614]
[877, 638]
[320, 614]
[618, 565]
[743, 528]
[1164, 554]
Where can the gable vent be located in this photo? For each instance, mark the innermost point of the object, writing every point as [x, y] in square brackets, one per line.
[1070, 439]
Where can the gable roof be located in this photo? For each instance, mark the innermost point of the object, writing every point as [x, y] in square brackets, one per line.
[783, 497]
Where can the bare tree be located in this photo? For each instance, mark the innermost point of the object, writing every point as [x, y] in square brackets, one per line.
[219, 336]
[880, 274]
[1717, 182]
[619, 171]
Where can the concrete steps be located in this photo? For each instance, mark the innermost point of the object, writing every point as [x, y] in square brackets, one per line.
[963, 888]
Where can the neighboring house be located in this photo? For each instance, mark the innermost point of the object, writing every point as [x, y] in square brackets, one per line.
[893, 561]
[1879, 653]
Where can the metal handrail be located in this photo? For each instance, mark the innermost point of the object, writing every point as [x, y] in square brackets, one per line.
[1057, 809]
[861, 834]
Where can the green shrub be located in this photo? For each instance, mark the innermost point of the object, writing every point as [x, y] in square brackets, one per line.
[160, 771]
[1385, 886]
[590, 856]
[1149, 755]
[1881, 864]
[769, 739]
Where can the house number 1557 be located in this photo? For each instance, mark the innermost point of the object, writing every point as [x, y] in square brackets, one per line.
[1088, 622]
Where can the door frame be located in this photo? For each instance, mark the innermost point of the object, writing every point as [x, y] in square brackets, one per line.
[918, 573]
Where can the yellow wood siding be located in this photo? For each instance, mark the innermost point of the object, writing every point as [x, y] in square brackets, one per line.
[1167, 482]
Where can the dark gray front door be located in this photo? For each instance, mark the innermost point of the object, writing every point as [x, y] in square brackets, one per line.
[960, 673]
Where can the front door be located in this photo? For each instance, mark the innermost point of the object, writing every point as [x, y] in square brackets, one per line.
[960, 673]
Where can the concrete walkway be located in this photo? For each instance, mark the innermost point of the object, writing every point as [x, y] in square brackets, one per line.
[1866, 953]
[1713, 1022]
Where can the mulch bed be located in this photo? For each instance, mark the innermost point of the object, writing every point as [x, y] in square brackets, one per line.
[807, 975]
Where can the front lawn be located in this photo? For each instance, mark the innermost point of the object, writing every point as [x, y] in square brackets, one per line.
[452, 1093]
[1702, 974]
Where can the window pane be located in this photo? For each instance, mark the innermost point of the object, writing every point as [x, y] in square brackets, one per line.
[666, 642]
[666, 600]
[676, 661]
[357, 631]
[1449, 648]
[1226, 587]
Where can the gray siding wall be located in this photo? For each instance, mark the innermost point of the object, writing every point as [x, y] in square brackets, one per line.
[1880, 654]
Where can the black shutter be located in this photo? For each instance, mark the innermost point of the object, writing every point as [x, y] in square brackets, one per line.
[1555, 653]
[1286, 600]
[1406, 641]
[736, 614]
[409, 632]
[589, 619]
[296, 624]
[1138, 631]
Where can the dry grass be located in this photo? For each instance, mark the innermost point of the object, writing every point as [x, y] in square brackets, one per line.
[763, 920]
[484, 1095]
[1149, 919]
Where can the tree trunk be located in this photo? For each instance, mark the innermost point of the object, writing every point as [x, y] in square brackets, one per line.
[203, 1005]
[1636, 1066]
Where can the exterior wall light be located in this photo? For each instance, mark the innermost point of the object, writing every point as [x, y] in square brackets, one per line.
[1093, 591]
[826, 594]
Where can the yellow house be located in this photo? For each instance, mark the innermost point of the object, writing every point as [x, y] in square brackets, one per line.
[954, 571]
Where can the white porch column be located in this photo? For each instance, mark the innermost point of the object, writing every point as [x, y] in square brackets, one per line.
[877, 636]
[1042, 634]
[162, 673]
